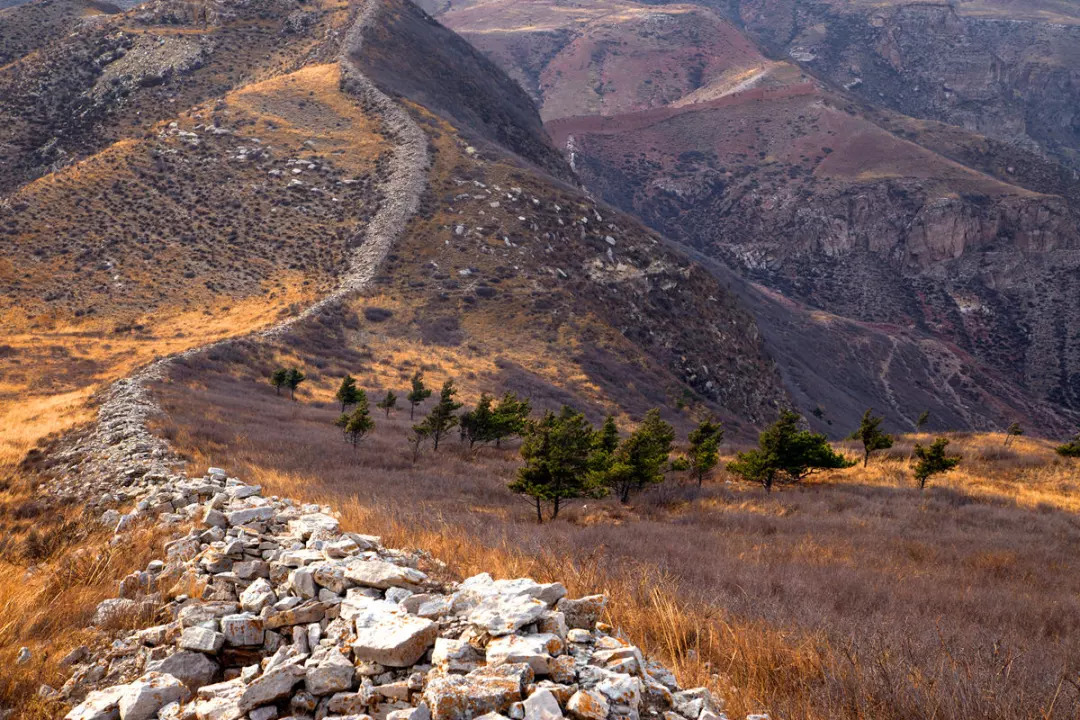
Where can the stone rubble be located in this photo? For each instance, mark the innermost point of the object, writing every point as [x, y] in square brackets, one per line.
[299, 619]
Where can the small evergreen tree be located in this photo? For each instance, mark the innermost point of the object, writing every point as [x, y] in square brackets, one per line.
[293, 379]
[1069, 449]
[509, 417]
[786, 454]
[478, 425]
[279, 379]
[418, 394]
[603, 445]
[441, 419]
[556, 451]
[870, 434]
[347, 393]
[1014, 430]
[606, 439]
[932, 460]
[924, 417]
[641, 458]
[704, 452]
[388, 403]
[358, 423]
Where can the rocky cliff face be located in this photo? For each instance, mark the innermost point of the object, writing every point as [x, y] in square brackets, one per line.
[1003, 71]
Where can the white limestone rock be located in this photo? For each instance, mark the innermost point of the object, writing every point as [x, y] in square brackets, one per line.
[202, 640]
[382, 575]
[542, 705]
[387, 635]
[143, 698]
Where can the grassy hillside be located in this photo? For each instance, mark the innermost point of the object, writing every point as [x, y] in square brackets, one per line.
[855, 595]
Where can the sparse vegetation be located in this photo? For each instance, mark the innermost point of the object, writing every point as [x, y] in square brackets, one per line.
[1069, 449]
[789, 601]
[1013, 431]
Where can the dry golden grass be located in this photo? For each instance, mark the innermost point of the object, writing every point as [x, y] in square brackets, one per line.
[1026, 472]
[47, 378]
[56, 565]
[308, 106]
[779, 602]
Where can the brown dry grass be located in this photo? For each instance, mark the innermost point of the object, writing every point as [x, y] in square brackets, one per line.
[56, 565]
[47, 378]
[854, 596]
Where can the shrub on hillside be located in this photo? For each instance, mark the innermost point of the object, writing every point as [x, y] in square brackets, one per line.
[1069, 449]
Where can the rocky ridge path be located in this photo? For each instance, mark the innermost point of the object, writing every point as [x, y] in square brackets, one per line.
[266, 609]
[295, 618]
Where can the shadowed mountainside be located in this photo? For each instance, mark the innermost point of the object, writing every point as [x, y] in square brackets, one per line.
[966, 244]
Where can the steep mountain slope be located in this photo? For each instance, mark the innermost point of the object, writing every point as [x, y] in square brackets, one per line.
[956, 239]
[213, 172]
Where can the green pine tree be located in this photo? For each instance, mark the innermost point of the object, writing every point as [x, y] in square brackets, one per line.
[279, 379]
[641, 458]
[418, 394]
[346, 393]
[478, 425]
[441, 419]
[704, 452]
[509, 417]
[358, 423]
[871, 436]
[931, 460]
[924, 417]
[293, 379]
[388, 403]
[786, 454]
[556, 452]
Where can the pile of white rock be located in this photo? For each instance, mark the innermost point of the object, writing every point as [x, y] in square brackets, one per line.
[297, 619]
